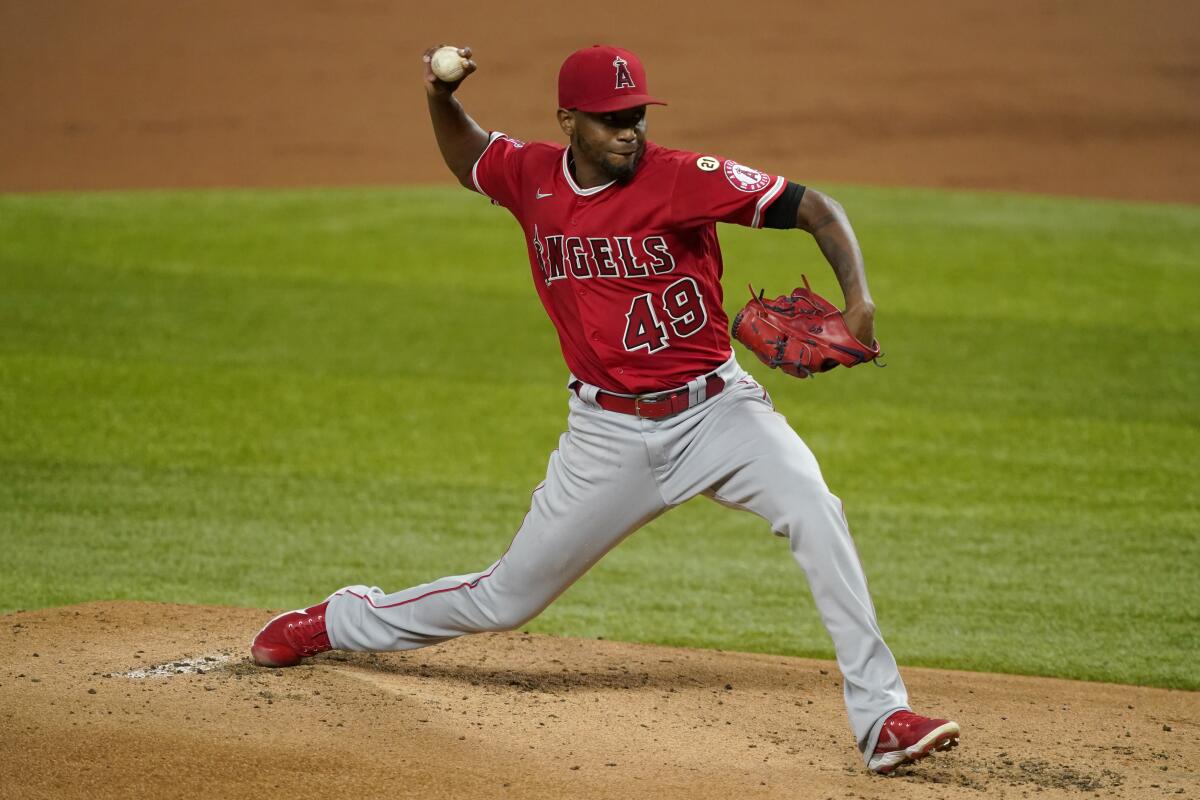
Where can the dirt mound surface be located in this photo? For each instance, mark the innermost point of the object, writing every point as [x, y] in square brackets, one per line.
[1095, 98]
[145, 700]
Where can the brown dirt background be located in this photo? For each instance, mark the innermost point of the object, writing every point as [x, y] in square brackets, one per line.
[527, 716]
[1076, 98]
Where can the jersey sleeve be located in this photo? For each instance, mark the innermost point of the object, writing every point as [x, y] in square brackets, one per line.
[710, 189]
[497, 172]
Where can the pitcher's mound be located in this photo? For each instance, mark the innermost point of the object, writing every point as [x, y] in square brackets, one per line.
[144, 700]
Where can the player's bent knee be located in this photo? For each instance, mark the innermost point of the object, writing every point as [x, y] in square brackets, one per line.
[804, 492]
[512, 618]
[506, 613]
[811, 510]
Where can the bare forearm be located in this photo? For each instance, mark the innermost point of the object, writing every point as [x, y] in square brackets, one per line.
[459, 138]
[826, 220]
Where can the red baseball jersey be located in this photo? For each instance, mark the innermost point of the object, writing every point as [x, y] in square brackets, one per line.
[629, 273]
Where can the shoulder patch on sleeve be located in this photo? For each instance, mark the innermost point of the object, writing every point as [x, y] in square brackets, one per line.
[707, 164]
[745, 179]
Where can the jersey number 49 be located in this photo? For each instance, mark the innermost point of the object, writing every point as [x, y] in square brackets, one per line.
[683, 306]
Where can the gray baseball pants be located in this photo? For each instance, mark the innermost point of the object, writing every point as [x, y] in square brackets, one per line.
[611, 474]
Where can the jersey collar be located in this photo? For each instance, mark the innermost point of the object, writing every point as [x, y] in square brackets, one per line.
[571, 179]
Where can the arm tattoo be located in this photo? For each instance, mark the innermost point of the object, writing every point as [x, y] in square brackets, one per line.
[838, 244]
[822, 222]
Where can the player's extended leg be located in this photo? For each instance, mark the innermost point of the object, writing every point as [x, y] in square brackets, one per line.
[598, 490]
[748, 457]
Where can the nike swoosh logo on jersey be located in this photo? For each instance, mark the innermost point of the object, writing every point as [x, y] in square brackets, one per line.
[547, 194]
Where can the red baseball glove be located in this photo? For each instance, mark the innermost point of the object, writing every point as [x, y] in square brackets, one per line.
[801, 333]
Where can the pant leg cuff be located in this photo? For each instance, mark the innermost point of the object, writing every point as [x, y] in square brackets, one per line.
[868, 747]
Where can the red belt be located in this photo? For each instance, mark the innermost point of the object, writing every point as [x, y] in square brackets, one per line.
[655, 405]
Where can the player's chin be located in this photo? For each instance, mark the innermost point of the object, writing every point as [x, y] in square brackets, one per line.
[622, 167]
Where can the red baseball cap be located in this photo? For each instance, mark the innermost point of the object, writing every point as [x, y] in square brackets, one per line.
[603, 78]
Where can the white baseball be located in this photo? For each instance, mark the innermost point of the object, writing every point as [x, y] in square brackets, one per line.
[447, 64]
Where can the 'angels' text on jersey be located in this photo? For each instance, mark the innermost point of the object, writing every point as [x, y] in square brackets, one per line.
[601, 256]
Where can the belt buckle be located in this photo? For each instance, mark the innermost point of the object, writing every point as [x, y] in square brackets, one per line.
[653, 397]
[637, 403]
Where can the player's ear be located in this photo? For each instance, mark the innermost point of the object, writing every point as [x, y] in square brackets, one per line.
[566, 121]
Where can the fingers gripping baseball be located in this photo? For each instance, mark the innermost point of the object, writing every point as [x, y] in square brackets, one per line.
[446, 67]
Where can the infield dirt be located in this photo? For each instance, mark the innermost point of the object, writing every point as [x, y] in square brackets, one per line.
[128, 700]
[1064, 98]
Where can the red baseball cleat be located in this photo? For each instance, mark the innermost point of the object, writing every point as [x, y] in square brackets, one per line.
[908, 737]
[290, 637]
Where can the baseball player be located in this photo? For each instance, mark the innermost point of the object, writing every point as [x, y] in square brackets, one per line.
[622, 243]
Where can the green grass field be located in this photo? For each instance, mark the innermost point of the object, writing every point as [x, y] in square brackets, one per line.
[253, 398]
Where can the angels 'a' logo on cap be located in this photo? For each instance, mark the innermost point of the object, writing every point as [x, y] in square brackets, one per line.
[624, 79]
